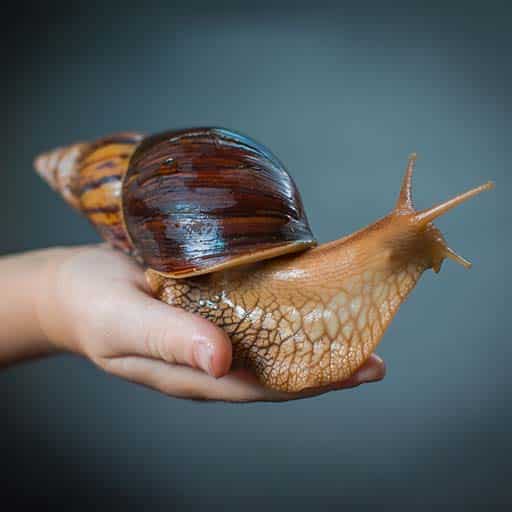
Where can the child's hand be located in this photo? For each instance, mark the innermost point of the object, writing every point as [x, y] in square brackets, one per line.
[94, 301]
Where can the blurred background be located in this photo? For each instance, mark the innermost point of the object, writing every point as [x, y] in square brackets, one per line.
[342, 93]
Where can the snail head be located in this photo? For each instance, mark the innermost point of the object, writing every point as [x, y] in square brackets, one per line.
[413, 233]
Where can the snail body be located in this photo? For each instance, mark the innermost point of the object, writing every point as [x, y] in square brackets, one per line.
[220, 226]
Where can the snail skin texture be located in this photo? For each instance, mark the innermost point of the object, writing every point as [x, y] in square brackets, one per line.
[221, 229]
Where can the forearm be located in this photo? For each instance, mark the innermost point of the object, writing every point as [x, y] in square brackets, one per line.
[23, 281]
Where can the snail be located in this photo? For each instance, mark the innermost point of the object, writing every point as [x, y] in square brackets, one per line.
[220, 227]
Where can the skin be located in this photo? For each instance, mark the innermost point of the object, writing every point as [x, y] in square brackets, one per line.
[93, 301]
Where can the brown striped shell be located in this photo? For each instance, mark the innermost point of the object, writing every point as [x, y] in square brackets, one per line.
[204, 199]
[99, 187]
[89, 176]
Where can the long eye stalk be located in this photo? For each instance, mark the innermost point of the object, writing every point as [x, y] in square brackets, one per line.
[423, 217]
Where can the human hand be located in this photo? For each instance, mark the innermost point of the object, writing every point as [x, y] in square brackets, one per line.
[95, 302]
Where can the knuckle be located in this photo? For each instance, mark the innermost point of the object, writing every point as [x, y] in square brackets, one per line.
[157, 344]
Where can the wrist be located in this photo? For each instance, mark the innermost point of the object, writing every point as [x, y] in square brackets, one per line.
[22, 336]
[49, 300]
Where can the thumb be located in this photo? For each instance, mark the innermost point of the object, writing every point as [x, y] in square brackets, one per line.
[149, 328]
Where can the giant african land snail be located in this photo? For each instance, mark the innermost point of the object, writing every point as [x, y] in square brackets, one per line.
[221, 229]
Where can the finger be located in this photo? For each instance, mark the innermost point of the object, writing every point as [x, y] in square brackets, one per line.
[143, 326]
[237, 386]
[185, 382]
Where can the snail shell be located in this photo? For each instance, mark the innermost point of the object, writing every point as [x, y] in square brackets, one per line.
[200, 200]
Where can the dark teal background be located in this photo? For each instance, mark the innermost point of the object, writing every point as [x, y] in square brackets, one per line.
[342, 93]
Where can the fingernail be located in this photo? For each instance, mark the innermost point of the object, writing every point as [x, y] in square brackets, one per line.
[204, 354]
[368, 374]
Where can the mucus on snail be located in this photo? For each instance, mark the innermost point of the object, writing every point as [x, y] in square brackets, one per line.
[220, 227]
